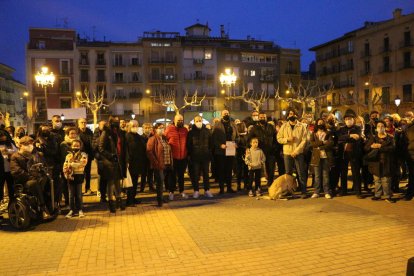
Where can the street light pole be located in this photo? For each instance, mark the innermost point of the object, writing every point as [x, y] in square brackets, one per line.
[228, 79]
[44, 79]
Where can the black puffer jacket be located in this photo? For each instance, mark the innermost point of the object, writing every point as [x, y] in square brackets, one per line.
[407, 141]
[199, 143]
[136, 150]
[383, 165]
[344, 138]
[267, 138]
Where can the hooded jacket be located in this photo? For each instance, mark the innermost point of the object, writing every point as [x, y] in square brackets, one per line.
[177, 138]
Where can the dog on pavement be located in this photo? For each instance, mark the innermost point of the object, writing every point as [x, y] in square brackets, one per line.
[282, 186]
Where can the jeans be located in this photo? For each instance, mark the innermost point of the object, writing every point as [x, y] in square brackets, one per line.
[159, 181]
[255, 175]
[299, 163]
[87, 171]
[178, 174]
[75, 192]
[280, 164]
[197, 168]
[356, 174]
[132, 191]
[382, 186]
[322, 171]
[147, 177]
[242, 171]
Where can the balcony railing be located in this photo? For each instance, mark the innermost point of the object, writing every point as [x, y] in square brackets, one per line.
[100, 62]
[118, 64]
[406, 65]
[407, 43]
[163, 78]
[118, 81]
[385, 69]
[162, 60]
[291, 71]
[84, 62]
[365, 54]
[84, 79]
[100, 79]
[385, 49]
[135, 95]
[270, 78]
[198, 61]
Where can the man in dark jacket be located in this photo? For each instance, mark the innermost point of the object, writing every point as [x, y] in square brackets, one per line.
[148, 172]
[95, 142]
[224, 132]
[350, 150]
[86, 136]
[199, 146]
[408, 146]
[266, 134]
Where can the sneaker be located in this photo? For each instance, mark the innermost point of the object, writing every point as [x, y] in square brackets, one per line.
[282, 198]
[258, 192]
[328, 196]
[81, 214]
[251, 193]
[196, 194]
[184, 195]
[171, 197]
[208, 194]
[70, 214]
[389, 200]
[315, 196]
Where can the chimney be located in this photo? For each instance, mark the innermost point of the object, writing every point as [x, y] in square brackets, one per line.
[397, 13]
[222, 32]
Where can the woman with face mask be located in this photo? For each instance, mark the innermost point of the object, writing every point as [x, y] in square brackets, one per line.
[380, 150]
[136, 154]
[160, 156]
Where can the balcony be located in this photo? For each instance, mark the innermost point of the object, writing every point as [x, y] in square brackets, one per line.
[163, 78]
[267, 78]
[366, 54]
[199, 61]
[118, 64]
[406, 43]
[406, 65]
[135, 62]
[84, 79]
[385, 49]
[101, 79]
[291, 72]
[65, 72]
[385, 69]
[83, 62]
[100, 62]
[347, 67]
[365, 72]
[170, 60]
[135, 95]
[346, 83]
[199, 77]
[136, 80]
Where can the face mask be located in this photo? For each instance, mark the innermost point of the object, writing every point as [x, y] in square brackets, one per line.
[349, 123]
[134, 129]
[115, 125]
[147, 132]
[139, 131]
[255, 118]
[375, 119]
[28, 148]
[199, 125]
[381, 130]
[58, 125]
[180, 124]
[76, 150]
[292, 118]
[262, 122]
[226, 117]
[160, 131]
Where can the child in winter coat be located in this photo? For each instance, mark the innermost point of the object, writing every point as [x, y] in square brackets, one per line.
[73, 169]
[255, 161]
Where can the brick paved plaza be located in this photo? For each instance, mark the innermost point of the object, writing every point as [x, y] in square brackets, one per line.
[226, 235]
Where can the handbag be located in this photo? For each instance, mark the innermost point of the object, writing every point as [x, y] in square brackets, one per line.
[127, 182]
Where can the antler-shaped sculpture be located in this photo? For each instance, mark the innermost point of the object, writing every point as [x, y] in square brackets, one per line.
[167, 99]
[93, 102]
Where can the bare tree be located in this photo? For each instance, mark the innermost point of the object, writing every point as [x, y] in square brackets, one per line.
[93, 101]
[168, 99]
[254, 98]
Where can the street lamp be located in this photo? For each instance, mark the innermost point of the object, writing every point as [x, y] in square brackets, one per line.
[133, 116]
[62, 117]
[397, 102]
[44, 79]
[228, 79]
[329, 108]
[284, 113]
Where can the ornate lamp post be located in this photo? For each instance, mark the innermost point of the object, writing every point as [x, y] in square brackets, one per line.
[133, 116]
[228, 79]
[44, 79]
[329, 108]
[397, 102]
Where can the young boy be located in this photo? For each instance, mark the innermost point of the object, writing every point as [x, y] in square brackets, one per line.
[255, 160]
[73, 169]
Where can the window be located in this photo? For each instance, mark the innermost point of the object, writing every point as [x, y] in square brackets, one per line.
[100, 75]
[100, 88]
[246, 72]
[367, 67]
[366, 96]
[135, 61]
[119, 93]
[407, 93]
[84, 75]
[350, 46]
[41, 44]
[84, 87]
[366, 49]
[65, 102]
[407, 38]
[386, 44]
[119, 77]
[386, 95]
[118, 60]
[386, 64]
[407, 59]
[235, 57]
[208, 54]
[169, 57]
[64, 85]
[64, 67]
[252, 73]
[227, 57]
[40, 104]
[155, 74]
[135, 76]
[84, 58]
[155, 56]
[100, 59]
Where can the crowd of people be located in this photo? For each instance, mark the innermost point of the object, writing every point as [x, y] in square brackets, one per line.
[379, 152]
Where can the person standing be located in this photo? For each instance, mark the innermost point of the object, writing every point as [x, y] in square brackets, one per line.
[255, 161]
[7, 149]
[293, 136]
[95, 142]
[199, 146]
[242, 172]
[160, 157]
[322, 158]
[136, 157]
[382, 146]
[177, 138]
[73, 169]
[86, 136]
[224, 131]
[266, 135]
[147, 172]
[111, 148]
[350, 150]
[408, 147]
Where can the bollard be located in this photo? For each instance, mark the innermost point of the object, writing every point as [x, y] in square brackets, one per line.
[410, 267]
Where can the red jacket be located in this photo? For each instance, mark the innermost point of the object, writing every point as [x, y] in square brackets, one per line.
[177, 138]
[155, 152]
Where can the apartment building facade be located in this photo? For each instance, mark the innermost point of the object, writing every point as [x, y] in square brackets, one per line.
[368, 68]
[136, 73]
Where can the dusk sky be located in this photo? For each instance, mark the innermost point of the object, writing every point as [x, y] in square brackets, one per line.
[290, 23]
